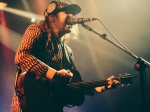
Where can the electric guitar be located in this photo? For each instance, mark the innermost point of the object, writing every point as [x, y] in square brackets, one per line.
[46, 94]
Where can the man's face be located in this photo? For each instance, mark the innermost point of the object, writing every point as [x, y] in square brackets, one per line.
[63, 16]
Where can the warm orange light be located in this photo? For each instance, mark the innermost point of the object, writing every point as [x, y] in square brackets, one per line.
[3, 4]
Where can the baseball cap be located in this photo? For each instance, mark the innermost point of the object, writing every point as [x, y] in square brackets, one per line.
[58, 6]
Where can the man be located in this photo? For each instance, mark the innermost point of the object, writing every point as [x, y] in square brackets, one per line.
[44, 53]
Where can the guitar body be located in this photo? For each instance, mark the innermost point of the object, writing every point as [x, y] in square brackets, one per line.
[50, 96]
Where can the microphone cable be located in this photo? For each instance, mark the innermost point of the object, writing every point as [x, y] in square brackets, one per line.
[115, 37]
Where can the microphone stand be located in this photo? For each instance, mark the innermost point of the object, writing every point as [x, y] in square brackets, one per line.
[139, 66]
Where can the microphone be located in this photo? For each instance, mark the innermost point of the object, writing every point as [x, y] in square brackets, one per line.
[73, 21]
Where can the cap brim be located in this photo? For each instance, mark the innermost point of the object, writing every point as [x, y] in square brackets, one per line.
[72, 9]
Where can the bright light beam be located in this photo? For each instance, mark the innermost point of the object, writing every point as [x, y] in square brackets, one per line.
[15, 38]
[23, 13]
[26, 5]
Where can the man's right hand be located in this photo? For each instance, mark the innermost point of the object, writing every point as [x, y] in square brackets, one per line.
[64, 73]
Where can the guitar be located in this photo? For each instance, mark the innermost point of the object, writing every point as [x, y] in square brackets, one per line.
[46, 94]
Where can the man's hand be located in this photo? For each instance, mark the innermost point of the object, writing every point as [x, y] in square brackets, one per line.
[64, 73]
[111, 85]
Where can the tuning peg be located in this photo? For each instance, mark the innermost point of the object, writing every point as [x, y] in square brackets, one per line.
[128, 84]
[120, 75]
[125, 85]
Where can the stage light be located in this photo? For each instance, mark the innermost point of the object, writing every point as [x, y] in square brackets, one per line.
[24, 13]
[33, 20]
[2, 5]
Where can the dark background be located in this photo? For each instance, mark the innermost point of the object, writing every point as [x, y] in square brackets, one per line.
[95, 58]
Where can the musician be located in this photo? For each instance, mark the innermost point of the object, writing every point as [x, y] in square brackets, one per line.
[43, 51]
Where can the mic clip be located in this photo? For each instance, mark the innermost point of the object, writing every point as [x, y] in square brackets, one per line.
[104, 36]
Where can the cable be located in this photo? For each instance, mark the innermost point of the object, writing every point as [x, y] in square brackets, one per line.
[114, 36]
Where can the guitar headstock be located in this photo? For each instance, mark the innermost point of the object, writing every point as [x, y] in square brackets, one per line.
[125, 79]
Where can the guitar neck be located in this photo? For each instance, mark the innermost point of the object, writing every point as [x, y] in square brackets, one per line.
[87, 84]
[77, 83]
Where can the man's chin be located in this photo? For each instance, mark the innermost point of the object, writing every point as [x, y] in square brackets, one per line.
[65, 32]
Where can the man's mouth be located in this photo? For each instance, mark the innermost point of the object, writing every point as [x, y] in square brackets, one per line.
[69, 26]
[67, 23]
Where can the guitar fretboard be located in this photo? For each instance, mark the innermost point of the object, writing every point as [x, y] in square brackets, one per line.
[87, 84]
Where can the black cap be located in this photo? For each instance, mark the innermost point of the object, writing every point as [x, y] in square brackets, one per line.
[58, 6]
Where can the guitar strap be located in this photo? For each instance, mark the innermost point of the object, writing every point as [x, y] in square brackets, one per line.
[19, 88]
[70, 58]
[18, 72]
